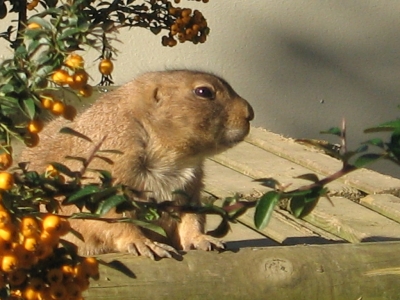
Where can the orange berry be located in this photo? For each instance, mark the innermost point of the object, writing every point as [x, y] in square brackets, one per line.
[31, 243]
[35, 126]
[26, 258]
[33, 26]
[54, 276]
[5, 219]
[86, 90]
[6, 181]
[47, 101]
[53, 224]
[61, 77]
[5, 245]
[37, 284]
[57, 291]
[91, 266]
[51, 171]
[57, 108]
[43, 250]
[8, 233]
[9, 263]
[106, 66]
[172, 42]
[31, 5]
[78, 80]
[68, 272]
[34, 289]
[186, 12]
[30, 294]
[74, 61]
[6, 160]
[31, 139]
[29, 227]
[83, 283]
[17, 277]
[69, 112]
[73, 290]
[49, 239]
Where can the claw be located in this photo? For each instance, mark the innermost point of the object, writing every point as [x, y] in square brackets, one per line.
[152, 249]
[204, 242]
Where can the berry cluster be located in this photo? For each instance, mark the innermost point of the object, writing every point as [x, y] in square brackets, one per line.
[187, 26]
[32, 4]
[33, 266]
[73, 75]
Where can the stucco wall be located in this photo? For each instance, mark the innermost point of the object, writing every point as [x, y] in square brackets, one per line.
[303, 64]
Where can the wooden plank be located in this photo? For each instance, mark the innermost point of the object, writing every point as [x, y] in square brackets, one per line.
[256, 163]
[223, 182]
[226, 182]
[240, 236]
[365, 180]
[342, 271]
[353, 222]
[385, 204]
[288, 231]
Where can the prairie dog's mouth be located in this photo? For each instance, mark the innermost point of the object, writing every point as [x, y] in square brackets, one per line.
[235, 136]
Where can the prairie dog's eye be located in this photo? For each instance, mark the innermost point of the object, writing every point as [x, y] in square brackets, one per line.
[204, 92]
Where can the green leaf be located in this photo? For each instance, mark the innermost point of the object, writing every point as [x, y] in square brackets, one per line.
[85, 192]
[105, 159]
[264, 208]
[212, 209]
[7, 88]
[375, 142]
[394, 145]
[68, 130]
[387, 126]
[110, 203]
[301, 206]
[334, 131]
[295, 193]
[106, 175]
[268, 182]
[146, 225]
[309, 176]
[63, 169]
[155, 30]
[328, 148]
[110, 151]
[28, 107]
[366, 159]
[68, 33]
[44, 71]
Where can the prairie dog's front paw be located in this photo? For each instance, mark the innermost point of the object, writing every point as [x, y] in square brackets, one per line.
[145, 247]
[202, 242]
[151, 249]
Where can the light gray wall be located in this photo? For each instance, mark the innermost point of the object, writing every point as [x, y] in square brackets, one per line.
[303, 64]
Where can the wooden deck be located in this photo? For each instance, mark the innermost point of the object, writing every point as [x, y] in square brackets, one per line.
[366, 203]
[332, 256]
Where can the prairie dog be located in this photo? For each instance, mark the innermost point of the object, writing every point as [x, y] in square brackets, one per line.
[166, 124]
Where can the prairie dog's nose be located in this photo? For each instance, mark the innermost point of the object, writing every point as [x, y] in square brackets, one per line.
[250, 112]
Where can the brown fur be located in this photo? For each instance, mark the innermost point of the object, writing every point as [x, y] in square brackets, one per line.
[165, 131]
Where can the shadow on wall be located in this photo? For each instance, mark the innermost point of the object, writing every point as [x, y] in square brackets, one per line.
[329, 63]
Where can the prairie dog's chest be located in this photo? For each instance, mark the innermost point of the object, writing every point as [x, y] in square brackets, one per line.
[162, 183]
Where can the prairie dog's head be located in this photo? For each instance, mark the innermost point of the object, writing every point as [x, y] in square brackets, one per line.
[193, 112]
